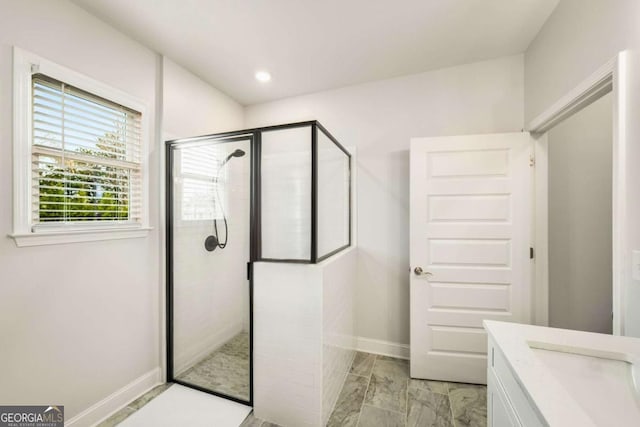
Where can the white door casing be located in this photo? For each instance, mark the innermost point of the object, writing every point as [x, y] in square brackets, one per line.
[626, 194]
[619, 75]
[471, 213]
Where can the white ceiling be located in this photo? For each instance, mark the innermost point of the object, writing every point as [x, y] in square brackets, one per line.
[311, 45]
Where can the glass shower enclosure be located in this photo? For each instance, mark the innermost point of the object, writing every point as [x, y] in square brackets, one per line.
[272, 194]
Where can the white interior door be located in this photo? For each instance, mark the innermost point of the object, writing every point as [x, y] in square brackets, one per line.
[471, 213]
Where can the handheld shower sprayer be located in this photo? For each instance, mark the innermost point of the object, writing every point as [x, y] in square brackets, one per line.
[236, 153]
[213, 241]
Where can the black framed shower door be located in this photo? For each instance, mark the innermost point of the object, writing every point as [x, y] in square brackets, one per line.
[204, 375]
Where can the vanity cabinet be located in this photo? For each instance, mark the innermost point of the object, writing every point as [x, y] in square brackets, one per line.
[540, 376]
[507, 403]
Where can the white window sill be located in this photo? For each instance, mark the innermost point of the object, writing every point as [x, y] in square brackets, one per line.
[67, 236]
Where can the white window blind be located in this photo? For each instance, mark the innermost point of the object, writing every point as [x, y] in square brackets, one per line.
[86, 157]
[202, 183]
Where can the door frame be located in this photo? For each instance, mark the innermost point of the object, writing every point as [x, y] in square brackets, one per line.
[610, 77]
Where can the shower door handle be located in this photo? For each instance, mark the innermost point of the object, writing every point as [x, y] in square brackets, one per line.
[418, 271]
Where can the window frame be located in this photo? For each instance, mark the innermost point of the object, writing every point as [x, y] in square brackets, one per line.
[25, 64]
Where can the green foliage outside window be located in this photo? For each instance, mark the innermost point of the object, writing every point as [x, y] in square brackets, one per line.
[79, 191]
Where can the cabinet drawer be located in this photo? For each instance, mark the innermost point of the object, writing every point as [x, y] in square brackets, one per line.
[514, 394]
[499, 410]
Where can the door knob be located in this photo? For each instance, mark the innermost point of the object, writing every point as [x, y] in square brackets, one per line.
[418, 271]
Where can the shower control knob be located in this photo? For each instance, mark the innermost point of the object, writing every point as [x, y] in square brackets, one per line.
[418, 271]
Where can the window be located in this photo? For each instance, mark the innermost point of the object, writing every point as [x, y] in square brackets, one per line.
[202, 183]
[78, 157]
[85, 156]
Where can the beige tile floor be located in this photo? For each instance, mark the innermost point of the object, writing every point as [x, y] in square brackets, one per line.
[379, 392]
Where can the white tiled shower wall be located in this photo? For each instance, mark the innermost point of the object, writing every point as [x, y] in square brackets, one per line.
[287, 358]
[333, 196]
[286, 193]
[338, 326]
[304, 327]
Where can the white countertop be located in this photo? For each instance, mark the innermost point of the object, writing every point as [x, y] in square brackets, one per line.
[548, 397]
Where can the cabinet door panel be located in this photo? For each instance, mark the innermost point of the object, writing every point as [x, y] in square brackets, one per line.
[500, 413]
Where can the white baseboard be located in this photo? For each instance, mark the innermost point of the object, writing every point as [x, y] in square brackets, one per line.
[115, 401]
[197, 352]
[384, 348]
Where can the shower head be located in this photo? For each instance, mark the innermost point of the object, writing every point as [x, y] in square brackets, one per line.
[236, 153]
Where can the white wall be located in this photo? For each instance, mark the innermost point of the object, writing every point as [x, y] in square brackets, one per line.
[192, 107]
[580, 182]
[577, 39]
[78, 321]
[81, 321]
[379, 119]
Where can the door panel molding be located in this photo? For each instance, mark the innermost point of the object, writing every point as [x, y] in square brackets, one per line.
[471, 216]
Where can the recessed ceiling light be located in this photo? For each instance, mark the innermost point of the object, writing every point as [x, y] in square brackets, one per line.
[263, 76]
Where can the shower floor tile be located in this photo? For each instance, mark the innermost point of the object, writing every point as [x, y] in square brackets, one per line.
[225, 370]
